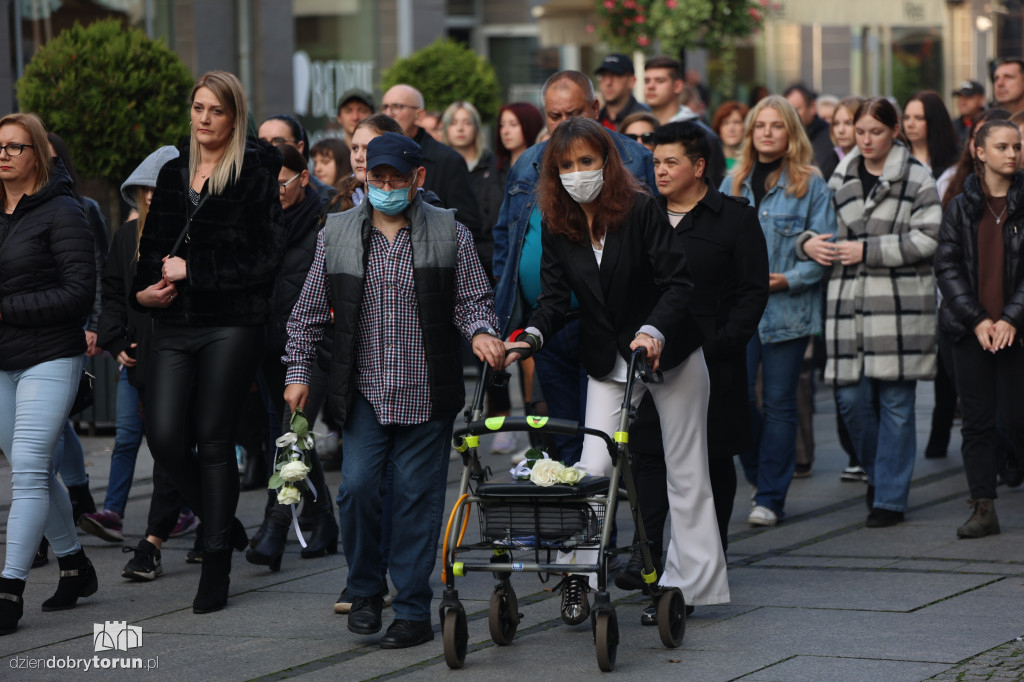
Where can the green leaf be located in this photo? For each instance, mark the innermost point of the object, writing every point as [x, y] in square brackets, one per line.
[534, 454]
[275, 482]
[300, 425]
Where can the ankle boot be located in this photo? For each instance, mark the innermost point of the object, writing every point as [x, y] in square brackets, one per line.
[239, 540]
[11, 604]
[983, 520]
[324, 540]
[258, 535]
[213, 583]
[77, 579]
[81, 501]
[271, 546]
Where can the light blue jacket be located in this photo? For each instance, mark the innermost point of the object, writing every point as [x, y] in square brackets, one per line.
[794, 312]
[514, 219]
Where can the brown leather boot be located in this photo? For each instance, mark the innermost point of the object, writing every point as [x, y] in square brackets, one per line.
[982, 522]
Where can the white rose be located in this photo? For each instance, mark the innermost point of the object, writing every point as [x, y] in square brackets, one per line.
[288, 495]
[545, 472]
[571, 475]
[294, 471]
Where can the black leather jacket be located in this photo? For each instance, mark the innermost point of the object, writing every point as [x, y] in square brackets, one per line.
[956, 259]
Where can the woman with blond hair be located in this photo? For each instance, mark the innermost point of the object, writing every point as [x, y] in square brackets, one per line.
[775, 173]
[208, 258]
[46, 291]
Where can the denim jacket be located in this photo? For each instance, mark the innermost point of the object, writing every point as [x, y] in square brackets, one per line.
[796, 311]
[514, 220]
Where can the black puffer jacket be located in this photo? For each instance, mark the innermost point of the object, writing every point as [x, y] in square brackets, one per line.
[120, 324]
[47, 276]
[234, 246]
[301, 229]
[956, 259]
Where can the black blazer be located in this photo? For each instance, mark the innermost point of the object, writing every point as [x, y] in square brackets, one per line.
[728, 257]
[643, 279]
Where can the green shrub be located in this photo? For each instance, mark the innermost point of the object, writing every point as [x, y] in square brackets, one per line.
[113, 94]
[447, 72]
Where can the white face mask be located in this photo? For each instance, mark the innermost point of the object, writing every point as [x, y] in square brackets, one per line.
[583, 186]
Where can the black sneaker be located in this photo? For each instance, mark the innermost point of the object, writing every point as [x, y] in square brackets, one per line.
[575, 605]
[364, 618]
[145, 565]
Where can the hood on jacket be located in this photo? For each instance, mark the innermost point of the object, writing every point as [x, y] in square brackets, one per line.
[59, 184]
[145, 175]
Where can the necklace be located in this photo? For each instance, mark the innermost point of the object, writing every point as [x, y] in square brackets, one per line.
[999, 218]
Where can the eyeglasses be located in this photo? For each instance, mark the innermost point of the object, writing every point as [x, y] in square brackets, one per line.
[643, 138]
[397, 107]
[396, 182]
[277, 141]
[284, 185]
[13, 149]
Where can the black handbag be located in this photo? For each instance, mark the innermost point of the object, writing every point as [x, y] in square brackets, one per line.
[86, 395]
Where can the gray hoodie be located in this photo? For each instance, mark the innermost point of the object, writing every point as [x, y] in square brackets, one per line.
[145, 175]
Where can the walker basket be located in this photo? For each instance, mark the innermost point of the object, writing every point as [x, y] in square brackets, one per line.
[524, 515]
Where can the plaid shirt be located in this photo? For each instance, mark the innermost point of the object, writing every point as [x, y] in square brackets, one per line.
[391, 363]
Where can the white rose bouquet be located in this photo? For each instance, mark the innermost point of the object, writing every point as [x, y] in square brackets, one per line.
[540, 469]
[291, 466]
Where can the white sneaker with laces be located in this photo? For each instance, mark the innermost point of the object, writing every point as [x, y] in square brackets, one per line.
[762, 516]
[504, 443]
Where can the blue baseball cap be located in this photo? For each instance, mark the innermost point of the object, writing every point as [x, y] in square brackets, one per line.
[397, 151]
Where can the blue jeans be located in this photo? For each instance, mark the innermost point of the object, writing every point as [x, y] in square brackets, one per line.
[127, 439]
[886, 442]
[34, 407]
[69, 458]
[769, 466]
[419, 452]
[564, 382]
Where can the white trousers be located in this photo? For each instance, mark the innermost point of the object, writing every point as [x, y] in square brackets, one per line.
[695, 562]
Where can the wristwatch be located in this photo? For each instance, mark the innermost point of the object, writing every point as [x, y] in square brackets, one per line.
[485, 330]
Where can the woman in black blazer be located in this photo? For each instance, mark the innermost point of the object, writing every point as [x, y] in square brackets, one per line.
[609, 243]
[728, 258]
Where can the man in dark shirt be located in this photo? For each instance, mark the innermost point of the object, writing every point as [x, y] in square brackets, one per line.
[970, 102]
[616, 79]
[805, 102]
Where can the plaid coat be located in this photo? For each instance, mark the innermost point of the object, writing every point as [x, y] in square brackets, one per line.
[880, 313]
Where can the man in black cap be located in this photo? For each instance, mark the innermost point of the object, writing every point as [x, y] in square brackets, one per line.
[404, 281]
[616, 79]
[804, 100]
[354, 106]
[970, 102]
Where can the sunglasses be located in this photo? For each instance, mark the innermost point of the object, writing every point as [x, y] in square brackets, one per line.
[643, 138]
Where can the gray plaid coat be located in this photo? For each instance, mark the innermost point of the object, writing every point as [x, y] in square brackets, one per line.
[880, 313]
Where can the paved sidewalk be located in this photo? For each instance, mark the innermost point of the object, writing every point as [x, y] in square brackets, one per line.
[820, 597]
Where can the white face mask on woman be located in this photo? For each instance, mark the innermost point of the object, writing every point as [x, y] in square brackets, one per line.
[583, 186]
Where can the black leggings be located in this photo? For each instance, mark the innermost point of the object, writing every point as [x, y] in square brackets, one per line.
[198, 378]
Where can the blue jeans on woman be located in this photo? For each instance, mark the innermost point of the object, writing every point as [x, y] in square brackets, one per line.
[127, 440]
[419, 452]
[769, 466]
[34, 407]
[564, 383]
[886, 441]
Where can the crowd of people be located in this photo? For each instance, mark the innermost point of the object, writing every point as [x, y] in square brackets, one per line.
[745, 250]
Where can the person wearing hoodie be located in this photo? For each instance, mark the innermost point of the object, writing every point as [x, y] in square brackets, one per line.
[47, 288]
[302, 206]
[208, 259]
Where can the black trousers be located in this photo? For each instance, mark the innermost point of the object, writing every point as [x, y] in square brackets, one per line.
[197, 381]
[945, 400]
[989, 387]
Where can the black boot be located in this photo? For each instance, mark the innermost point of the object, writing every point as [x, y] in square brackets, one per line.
[214, 582]
[195, 555]
[258, 535]
[324, 540]
[271, 546]
[77, 579]
[81, 501]
[42, 554]
[11, 604]
[239, 539]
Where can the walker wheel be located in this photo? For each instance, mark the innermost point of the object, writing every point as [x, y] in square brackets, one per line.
[606, 637]
[456, 638]
[503, 616]
[672, 617]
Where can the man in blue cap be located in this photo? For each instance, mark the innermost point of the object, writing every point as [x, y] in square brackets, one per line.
[616, 79]
[403, 281]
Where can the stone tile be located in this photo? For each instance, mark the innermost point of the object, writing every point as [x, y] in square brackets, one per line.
[815, 668]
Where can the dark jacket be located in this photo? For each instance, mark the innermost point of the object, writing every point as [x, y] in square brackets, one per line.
[233, 248]
[728, 258]
[448, 178]
[956, 259]
[825, 157]
[122, 324]
[98, 225]
[301, 229]
[489, 187]
[47, 276]
[643, 280]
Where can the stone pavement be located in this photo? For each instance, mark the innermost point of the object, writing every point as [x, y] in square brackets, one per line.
[820, 597]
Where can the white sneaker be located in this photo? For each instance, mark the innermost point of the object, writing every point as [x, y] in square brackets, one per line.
[504, 443]
[762, 516]
[517, 458]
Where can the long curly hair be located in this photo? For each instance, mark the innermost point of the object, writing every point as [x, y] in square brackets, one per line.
[562, 214]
